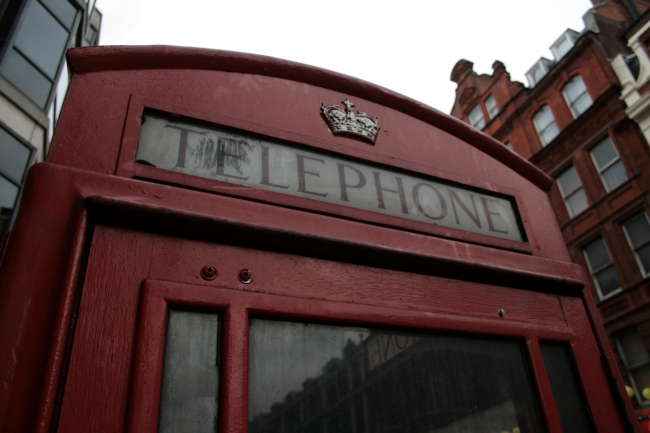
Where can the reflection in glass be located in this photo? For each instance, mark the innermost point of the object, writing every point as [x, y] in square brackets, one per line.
[569, 403]
[14, 156]
[191, 374]
[42, 39]
[19, 72]
[319, 379]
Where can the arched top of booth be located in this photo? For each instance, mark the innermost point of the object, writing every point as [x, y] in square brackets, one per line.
[99, 59]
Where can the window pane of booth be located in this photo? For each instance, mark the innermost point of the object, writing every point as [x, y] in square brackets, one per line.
[569, 403]
[191, 373]
[320, 378]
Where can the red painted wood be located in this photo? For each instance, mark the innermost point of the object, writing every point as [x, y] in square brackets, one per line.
[589, 367]
[99, 59]
[98, 380]
[37, 273]
[542, 385]
[286, 274]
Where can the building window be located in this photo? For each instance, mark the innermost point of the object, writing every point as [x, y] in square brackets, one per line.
[34, 57]
[636, 361]
[538, 71]
[564, 44]
[15, 157]
[508, 145]
[601, 268]
[545, 125]
[574, 196]
[476, 118]
[637, 231]
[491, 106]
[609, 164]
[576, 96]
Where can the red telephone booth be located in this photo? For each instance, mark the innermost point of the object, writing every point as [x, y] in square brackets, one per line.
[221, 242]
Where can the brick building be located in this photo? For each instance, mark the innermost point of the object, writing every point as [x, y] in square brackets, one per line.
[571, 122]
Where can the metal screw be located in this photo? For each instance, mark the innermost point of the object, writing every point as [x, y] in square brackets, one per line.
[245, 276]
[501, 312]
[208, 273]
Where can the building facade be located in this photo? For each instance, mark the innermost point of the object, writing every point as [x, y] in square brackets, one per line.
[34, 36]
[571, 122]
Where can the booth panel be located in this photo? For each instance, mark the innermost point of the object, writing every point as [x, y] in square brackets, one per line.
[117, 382]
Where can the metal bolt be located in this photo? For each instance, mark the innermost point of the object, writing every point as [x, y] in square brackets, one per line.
[245, 276]
[501, 312]
[208, 273]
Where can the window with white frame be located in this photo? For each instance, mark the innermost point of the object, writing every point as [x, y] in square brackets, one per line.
[572, 192]
[476, 117]
[636, 361]
[637, 231]
[601, 268]
[609, 164]
[545, 125]
[576, 96]
[564, 44]
[491, 106]
[538, 71]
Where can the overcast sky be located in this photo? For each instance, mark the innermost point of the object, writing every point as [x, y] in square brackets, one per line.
[409, 46]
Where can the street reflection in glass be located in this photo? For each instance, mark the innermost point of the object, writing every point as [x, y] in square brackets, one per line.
[308, 378]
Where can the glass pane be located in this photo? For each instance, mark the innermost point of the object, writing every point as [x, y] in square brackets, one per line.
[581, 104]
[614, 175]
[318, 378]
[597, 254]
[638, 230]
[644, 257]
[641, 377]
[63, 10]
[42, 39]
[632, 346]
[604, 153]
[90, 35]
[14, 156]
[574, 88]
[577, 202]
[26, 78]
[191, 374]
[538, 73]
[491, 106]
[543, 117]
[61, 90]
[8, 194]
[549, 133]
[569, 403]
[608, 280]
[563, 47]
[476, 118]
[569, 181]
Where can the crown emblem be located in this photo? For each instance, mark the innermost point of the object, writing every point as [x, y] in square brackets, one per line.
[346, 122]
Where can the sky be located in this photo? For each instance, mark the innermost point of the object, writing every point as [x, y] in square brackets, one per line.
[408, 46]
